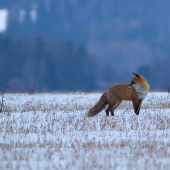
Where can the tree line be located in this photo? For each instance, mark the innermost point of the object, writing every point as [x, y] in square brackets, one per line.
[45, 65]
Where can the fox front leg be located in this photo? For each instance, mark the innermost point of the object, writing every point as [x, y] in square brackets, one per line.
[137, 105]
[139, 102]
[137, 110]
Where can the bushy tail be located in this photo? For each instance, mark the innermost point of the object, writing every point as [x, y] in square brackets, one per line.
[98, 107]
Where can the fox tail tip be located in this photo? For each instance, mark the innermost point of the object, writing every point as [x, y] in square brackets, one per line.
[87, 115]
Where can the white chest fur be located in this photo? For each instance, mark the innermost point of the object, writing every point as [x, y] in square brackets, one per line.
[142, 92]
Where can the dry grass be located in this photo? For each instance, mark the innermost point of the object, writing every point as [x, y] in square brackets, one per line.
[49, 131]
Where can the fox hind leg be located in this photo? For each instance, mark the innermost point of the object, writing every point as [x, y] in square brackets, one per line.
[111, 108]
[108, 109]
[112, 112]
[114, 108]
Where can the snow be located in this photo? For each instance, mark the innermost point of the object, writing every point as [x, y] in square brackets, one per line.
[49, 131]
[3, 19]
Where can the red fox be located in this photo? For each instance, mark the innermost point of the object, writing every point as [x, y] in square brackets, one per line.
[136, 91]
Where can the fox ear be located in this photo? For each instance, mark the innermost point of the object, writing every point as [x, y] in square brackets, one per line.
[135, 75]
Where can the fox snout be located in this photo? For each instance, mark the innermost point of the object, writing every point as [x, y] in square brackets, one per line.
[130, 87]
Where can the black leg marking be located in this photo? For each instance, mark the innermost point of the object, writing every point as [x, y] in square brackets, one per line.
[107, 112]
[112, 112]
[137, 110]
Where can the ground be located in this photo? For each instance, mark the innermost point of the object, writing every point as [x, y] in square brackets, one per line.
[49, 131]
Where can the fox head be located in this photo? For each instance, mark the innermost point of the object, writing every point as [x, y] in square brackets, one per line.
[138, 81]
[135, 81]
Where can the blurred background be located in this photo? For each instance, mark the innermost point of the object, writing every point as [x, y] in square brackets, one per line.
[71, 45]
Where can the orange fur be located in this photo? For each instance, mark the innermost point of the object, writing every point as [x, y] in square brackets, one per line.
[116, 94]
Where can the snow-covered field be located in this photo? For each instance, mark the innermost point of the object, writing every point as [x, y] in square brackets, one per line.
[49, 131]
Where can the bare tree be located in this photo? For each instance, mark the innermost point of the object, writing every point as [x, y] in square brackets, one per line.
[2, 106]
